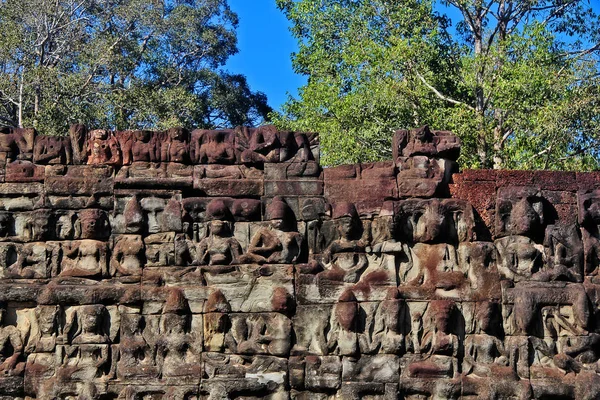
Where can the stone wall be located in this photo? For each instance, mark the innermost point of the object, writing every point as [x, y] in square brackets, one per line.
[230, 265]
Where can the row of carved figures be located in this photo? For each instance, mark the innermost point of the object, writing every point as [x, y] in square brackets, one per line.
[228, 146]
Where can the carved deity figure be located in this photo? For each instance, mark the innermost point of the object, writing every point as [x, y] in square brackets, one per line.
[144, 148]
[41, 362]
[214, 147]
[484, 350]
[103, 148]
[127, 255]
[294, 145]
[220, 247]
[87, 357]
[34, 261]
[176, 147]
[84, 258]
[11, 348]
[345, 256]
[217, 324]
[263, 146]
[343, 338]
[563, 249]
[278, 243]
[177, 352]
[137, 355]
[385, 334]
[438, 343]
[44, 339]
[52, 150]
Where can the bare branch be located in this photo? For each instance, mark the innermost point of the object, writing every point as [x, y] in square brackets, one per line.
[440, 95]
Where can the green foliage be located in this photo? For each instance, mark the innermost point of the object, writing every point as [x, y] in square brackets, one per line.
[517, 81]
[121, 64]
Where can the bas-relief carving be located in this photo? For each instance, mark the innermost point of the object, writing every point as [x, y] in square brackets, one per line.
[162, 289]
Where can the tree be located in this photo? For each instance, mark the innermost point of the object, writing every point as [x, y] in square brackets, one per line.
[517, 80]
[121, 64]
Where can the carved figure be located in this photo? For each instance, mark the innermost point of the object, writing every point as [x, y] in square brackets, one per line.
[220, 247]
[127, 255]
[137, 355]
[440, 345]
[11, 348]
[214, 147]
[484, 350]
[52, 150]
[177, 351]
[346, 256]
[84, 258]
[176, 147]
[278, 243]
[103, 148]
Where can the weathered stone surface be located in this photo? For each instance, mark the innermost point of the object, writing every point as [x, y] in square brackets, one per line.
[228, 264]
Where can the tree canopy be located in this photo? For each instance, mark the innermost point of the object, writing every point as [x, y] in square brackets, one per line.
[517, 80]
[121, 64]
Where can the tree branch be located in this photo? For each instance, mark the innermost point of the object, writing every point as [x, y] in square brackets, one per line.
[440, 95]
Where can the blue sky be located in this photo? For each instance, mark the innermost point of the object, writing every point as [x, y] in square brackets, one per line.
[265, 45]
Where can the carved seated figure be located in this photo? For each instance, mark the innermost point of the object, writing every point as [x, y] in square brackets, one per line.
[127, 256]
[484, 351]
[103, 148]
[214, 147]
[342, 338]
[41, 362]
[385, 336]
[263, 147]
[177, 352]
[262, 333]
[15, 143]
[438, 343]
[564, 255]
[144, 148]
[87, 357]
[35, 261]
[176, 148]
[220, 247]
[217, 324]
[294, 145]
[345, 256]
[138, 357]
[52, 150]
[278, 243]
[84, 258]
[11, 348]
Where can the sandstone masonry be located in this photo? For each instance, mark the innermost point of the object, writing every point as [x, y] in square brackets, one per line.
[229, 265]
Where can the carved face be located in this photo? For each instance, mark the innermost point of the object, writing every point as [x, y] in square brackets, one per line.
[153, 206]
[142, 136]
[131, 324]
[64, 227]
[175, 323]
[219, 228]
[46, 318]
[278, 224]
[346, 227]
[39, 226]
[5, 223]
[90, 321]
[99, 134]
[93, 222]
